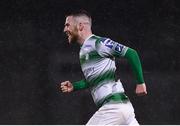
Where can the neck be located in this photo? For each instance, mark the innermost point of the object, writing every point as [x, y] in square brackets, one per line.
[83, 37]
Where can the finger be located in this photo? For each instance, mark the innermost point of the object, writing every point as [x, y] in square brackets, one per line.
[64, 90]
[63, 83]
[62, 86]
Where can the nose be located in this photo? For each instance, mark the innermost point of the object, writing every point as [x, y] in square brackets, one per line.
[65, 29]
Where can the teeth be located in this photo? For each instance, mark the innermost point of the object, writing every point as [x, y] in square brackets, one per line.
[68, 34]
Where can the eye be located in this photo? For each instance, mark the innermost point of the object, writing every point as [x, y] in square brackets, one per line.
[67, 24]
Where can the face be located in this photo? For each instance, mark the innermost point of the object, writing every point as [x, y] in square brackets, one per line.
[71, 30]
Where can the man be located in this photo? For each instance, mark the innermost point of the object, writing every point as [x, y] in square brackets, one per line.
[97, 59]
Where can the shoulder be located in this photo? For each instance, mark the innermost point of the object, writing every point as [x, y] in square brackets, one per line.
[99, 40]
[95, 37]
[92, 41]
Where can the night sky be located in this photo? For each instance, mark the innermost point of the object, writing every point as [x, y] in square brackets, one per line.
[35, 57]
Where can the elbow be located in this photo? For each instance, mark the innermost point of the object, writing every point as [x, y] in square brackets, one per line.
[134, 51]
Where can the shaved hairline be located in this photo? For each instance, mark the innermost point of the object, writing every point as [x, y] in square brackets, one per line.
[81, 16]
[83, 19]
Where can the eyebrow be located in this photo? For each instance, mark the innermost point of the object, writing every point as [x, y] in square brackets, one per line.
[66, 24]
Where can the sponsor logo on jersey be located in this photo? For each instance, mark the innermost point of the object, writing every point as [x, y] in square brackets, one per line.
[86, 46]
[112, 44]
[119, 47]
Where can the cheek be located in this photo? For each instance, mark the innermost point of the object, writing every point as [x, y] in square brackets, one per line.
[74, 31]
[70, 29]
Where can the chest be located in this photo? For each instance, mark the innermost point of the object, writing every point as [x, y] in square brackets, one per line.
[88, 54]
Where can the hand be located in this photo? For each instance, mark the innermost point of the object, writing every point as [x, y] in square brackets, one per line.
[66, 86]
[141, 89]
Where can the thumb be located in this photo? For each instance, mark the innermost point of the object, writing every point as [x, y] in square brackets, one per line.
[69, 84]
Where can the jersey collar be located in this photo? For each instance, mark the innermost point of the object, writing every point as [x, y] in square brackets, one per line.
[87, 39]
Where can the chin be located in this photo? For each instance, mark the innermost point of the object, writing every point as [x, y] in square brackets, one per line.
[70, 41]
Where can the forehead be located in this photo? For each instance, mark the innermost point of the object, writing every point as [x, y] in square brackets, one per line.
[69, 19]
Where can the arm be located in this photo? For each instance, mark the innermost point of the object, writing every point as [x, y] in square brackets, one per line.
[108, 48]
[133, 58]
[67, 86]
[82, 84]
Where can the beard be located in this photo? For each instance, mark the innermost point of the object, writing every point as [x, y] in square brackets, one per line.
[72, 38]
[72, 35]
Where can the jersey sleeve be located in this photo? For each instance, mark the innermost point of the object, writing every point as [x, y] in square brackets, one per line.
[133, 59]
[78, 85]
[109, 48]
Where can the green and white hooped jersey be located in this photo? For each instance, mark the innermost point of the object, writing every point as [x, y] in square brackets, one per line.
[97, 59]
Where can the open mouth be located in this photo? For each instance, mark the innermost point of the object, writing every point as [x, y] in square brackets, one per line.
[68, 34]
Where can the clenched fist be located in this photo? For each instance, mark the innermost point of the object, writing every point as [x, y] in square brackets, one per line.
[141, 89]
[66, 86]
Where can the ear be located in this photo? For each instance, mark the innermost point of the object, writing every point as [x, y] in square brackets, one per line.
[81, 26]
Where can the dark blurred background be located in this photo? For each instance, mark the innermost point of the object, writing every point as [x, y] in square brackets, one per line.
[35, 56]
